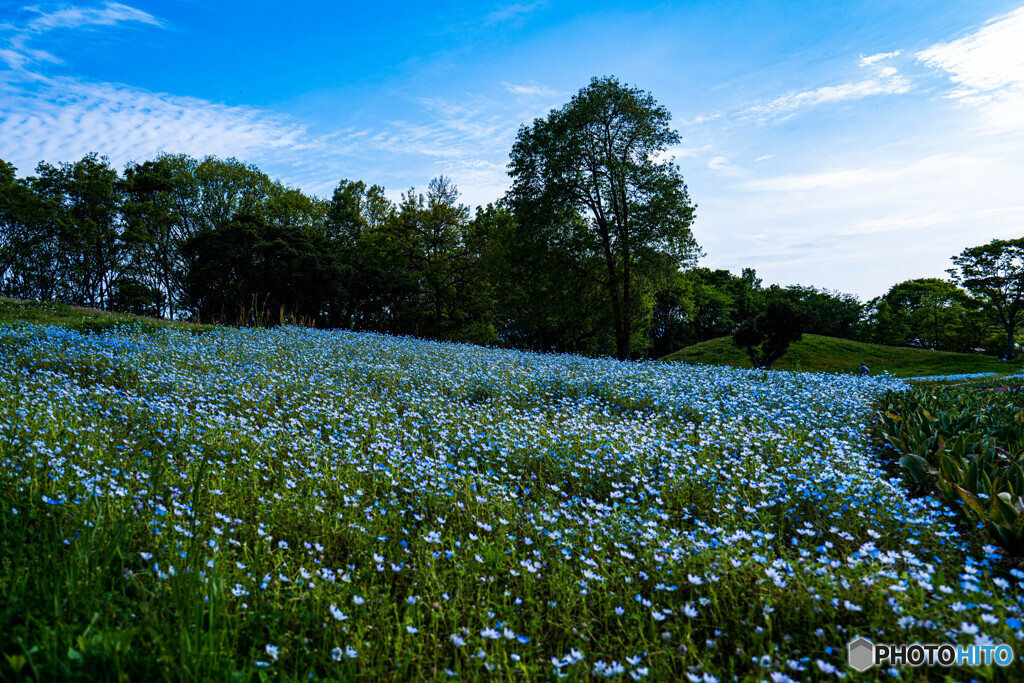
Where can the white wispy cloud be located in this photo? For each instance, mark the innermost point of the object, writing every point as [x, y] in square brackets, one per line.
[700, 119]
[719, 163]
[530, 90]
[61, 119]
[17, 52]
[884, 80]
[466, 140]
[75, 17]
[887, 81]
[987, 67]
[845, 179]
[511, 13]
[875, 58]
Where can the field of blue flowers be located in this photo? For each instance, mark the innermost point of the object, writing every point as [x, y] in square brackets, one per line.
[293, 503]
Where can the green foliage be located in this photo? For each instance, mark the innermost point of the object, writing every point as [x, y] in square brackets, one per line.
[160, 214]
[926, 312]
[586, 177]
[994, 274]
[969, 445]
[136, 297]
[439, 253]
[832, 314]
[251, 268]
[530, 272]
[701, 304]
[767, 336]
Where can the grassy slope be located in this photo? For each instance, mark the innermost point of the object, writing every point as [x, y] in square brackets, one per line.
[78, 318]
[828, 354]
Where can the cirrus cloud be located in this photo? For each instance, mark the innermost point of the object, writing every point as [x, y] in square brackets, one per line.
[61, 119]
[987, 67]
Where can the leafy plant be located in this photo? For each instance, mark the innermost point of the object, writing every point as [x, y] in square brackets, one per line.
[968, 445]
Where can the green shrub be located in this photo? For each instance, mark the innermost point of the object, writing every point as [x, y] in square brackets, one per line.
[966, 443]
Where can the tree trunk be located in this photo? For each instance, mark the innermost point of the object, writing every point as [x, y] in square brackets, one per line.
[618, 319]
[627, 319]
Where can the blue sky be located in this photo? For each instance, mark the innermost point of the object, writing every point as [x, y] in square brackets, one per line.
[844, 145]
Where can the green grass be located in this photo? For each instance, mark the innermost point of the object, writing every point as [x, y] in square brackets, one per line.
[816, 353]
[17, 311]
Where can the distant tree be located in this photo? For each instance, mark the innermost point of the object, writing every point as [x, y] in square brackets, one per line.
[372, 285]
[160, 214]
[439, 251]
[935, 314]
[546, 290]
[701, 304]
[830, 313]
[592, 167]
[766, 336]
[134, 296]
[83, 200]
[248, 264]
[228, 187]
[28, 240]
[885, 324]
[994, 274]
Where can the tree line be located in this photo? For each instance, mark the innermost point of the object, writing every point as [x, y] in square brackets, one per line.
[590, 251]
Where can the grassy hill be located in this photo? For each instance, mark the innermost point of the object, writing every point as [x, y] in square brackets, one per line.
[828, 354]
[78, 318]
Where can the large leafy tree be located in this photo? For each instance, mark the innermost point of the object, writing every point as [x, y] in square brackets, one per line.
[29, 249]
[249, 266]
[932, 313]
[84, 202]
[595, 169]
[439, 250]
[994, 274]
[766, 336]
[160, 214]
[546, 293]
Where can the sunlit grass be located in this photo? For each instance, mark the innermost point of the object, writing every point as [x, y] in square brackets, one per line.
[816, 353]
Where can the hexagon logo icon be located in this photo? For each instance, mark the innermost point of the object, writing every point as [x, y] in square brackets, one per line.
[861, 654]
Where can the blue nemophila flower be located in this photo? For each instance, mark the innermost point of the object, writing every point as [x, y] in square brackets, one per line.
[825, 667]
[443, 462]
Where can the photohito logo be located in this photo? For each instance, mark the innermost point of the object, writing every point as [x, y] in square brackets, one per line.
[863, 654]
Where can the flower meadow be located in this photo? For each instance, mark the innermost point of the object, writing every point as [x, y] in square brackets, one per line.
[293, 503]
[954, 378]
